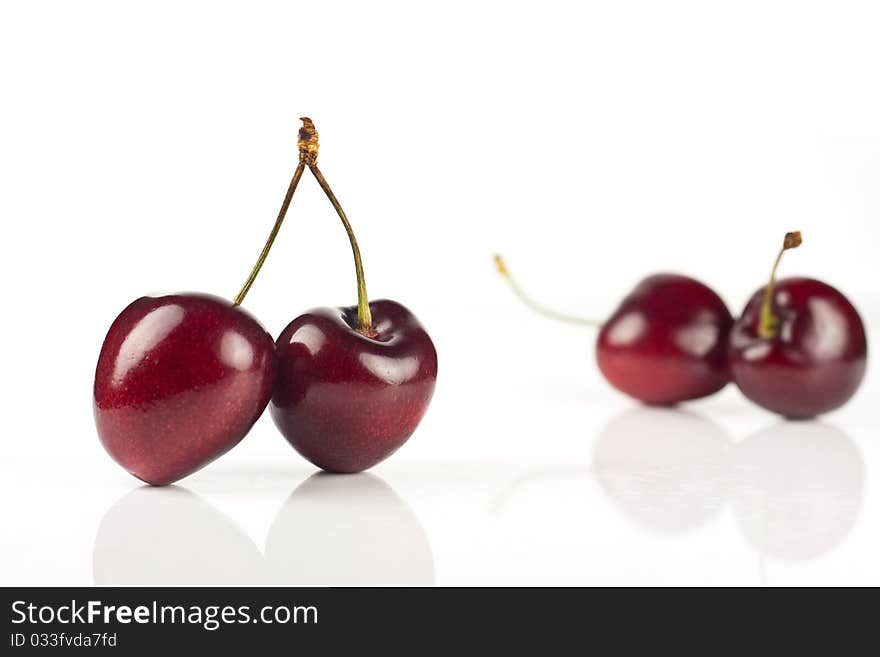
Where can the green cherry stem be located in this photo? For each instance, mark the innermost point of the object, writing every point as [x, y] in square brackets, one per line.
[768, 325]
[280, 220]
[309, 146]
[501, 266]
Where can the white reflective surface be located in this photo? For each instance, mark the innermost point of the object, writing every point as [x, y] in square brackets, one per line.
[331, 530]
[336, 529]
[591, 144]
[555, 480]
[527, 470]
[171, 536]
[657, 485]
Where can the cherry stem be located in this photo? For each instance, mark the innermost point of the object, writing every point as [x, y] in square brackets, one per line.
[268, 247]
[768, 325]
[309, 146]
[501, 266]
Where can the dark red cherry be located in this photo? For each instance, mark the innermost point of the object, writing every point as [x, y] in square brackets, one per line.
[664, 344]
[353, 383]
[799, 349]
[180, 380]
[666, 341]
[815, 361]
[346, 401]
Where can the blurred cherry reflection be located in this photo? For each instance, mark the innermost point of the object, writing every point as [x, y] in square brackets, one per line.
[348, 530]
[799, 488]
[795, 488]
[170, 536]
[666, 469]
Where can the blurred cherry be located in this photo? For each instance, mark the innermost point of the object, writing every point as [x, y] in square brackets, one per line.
[664, 344]
[799, 349]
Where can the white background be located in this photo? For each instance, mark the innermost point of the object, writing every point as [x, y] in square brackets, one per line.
[145, 148]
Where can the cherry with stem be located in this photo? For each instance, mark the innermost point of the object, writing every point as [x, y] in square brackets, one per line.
[308, 146]
[769, 325]
[353, 383]
[665, 342]
[181, 378]
[799, 348]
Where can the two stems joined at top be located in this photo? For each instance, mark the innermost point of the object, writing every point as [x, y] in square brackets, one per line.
[308, 157]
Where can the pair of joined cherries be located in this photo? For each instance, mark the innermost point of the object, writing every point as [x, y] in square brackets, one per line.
[182, 378]
[798, 349]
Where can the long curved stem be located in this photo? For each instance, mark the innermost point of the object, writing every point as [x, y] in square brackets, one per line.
[268, 247]
[768, 323]
[309, 154]
[501, 266]
[364, 316]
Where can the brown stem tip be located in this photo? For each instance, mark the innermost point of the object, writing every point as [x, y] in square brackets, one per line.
[792, 240]
[308, 142]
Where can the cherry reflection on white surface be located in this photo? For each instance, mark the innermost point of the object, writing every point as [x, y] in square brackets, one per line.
[799, 488]
[667, 470]
[332, 530]
[170, 536]
[348, 530]
[795, 488]
[663, 497]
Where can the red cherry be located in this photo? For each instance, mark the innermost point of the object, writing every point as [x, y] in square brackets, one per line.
[817, 361]
[799, 349]
[664, 344]
[353, 383]
[666, 341]
[346, 401]
[182, 378]
[180, 381]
